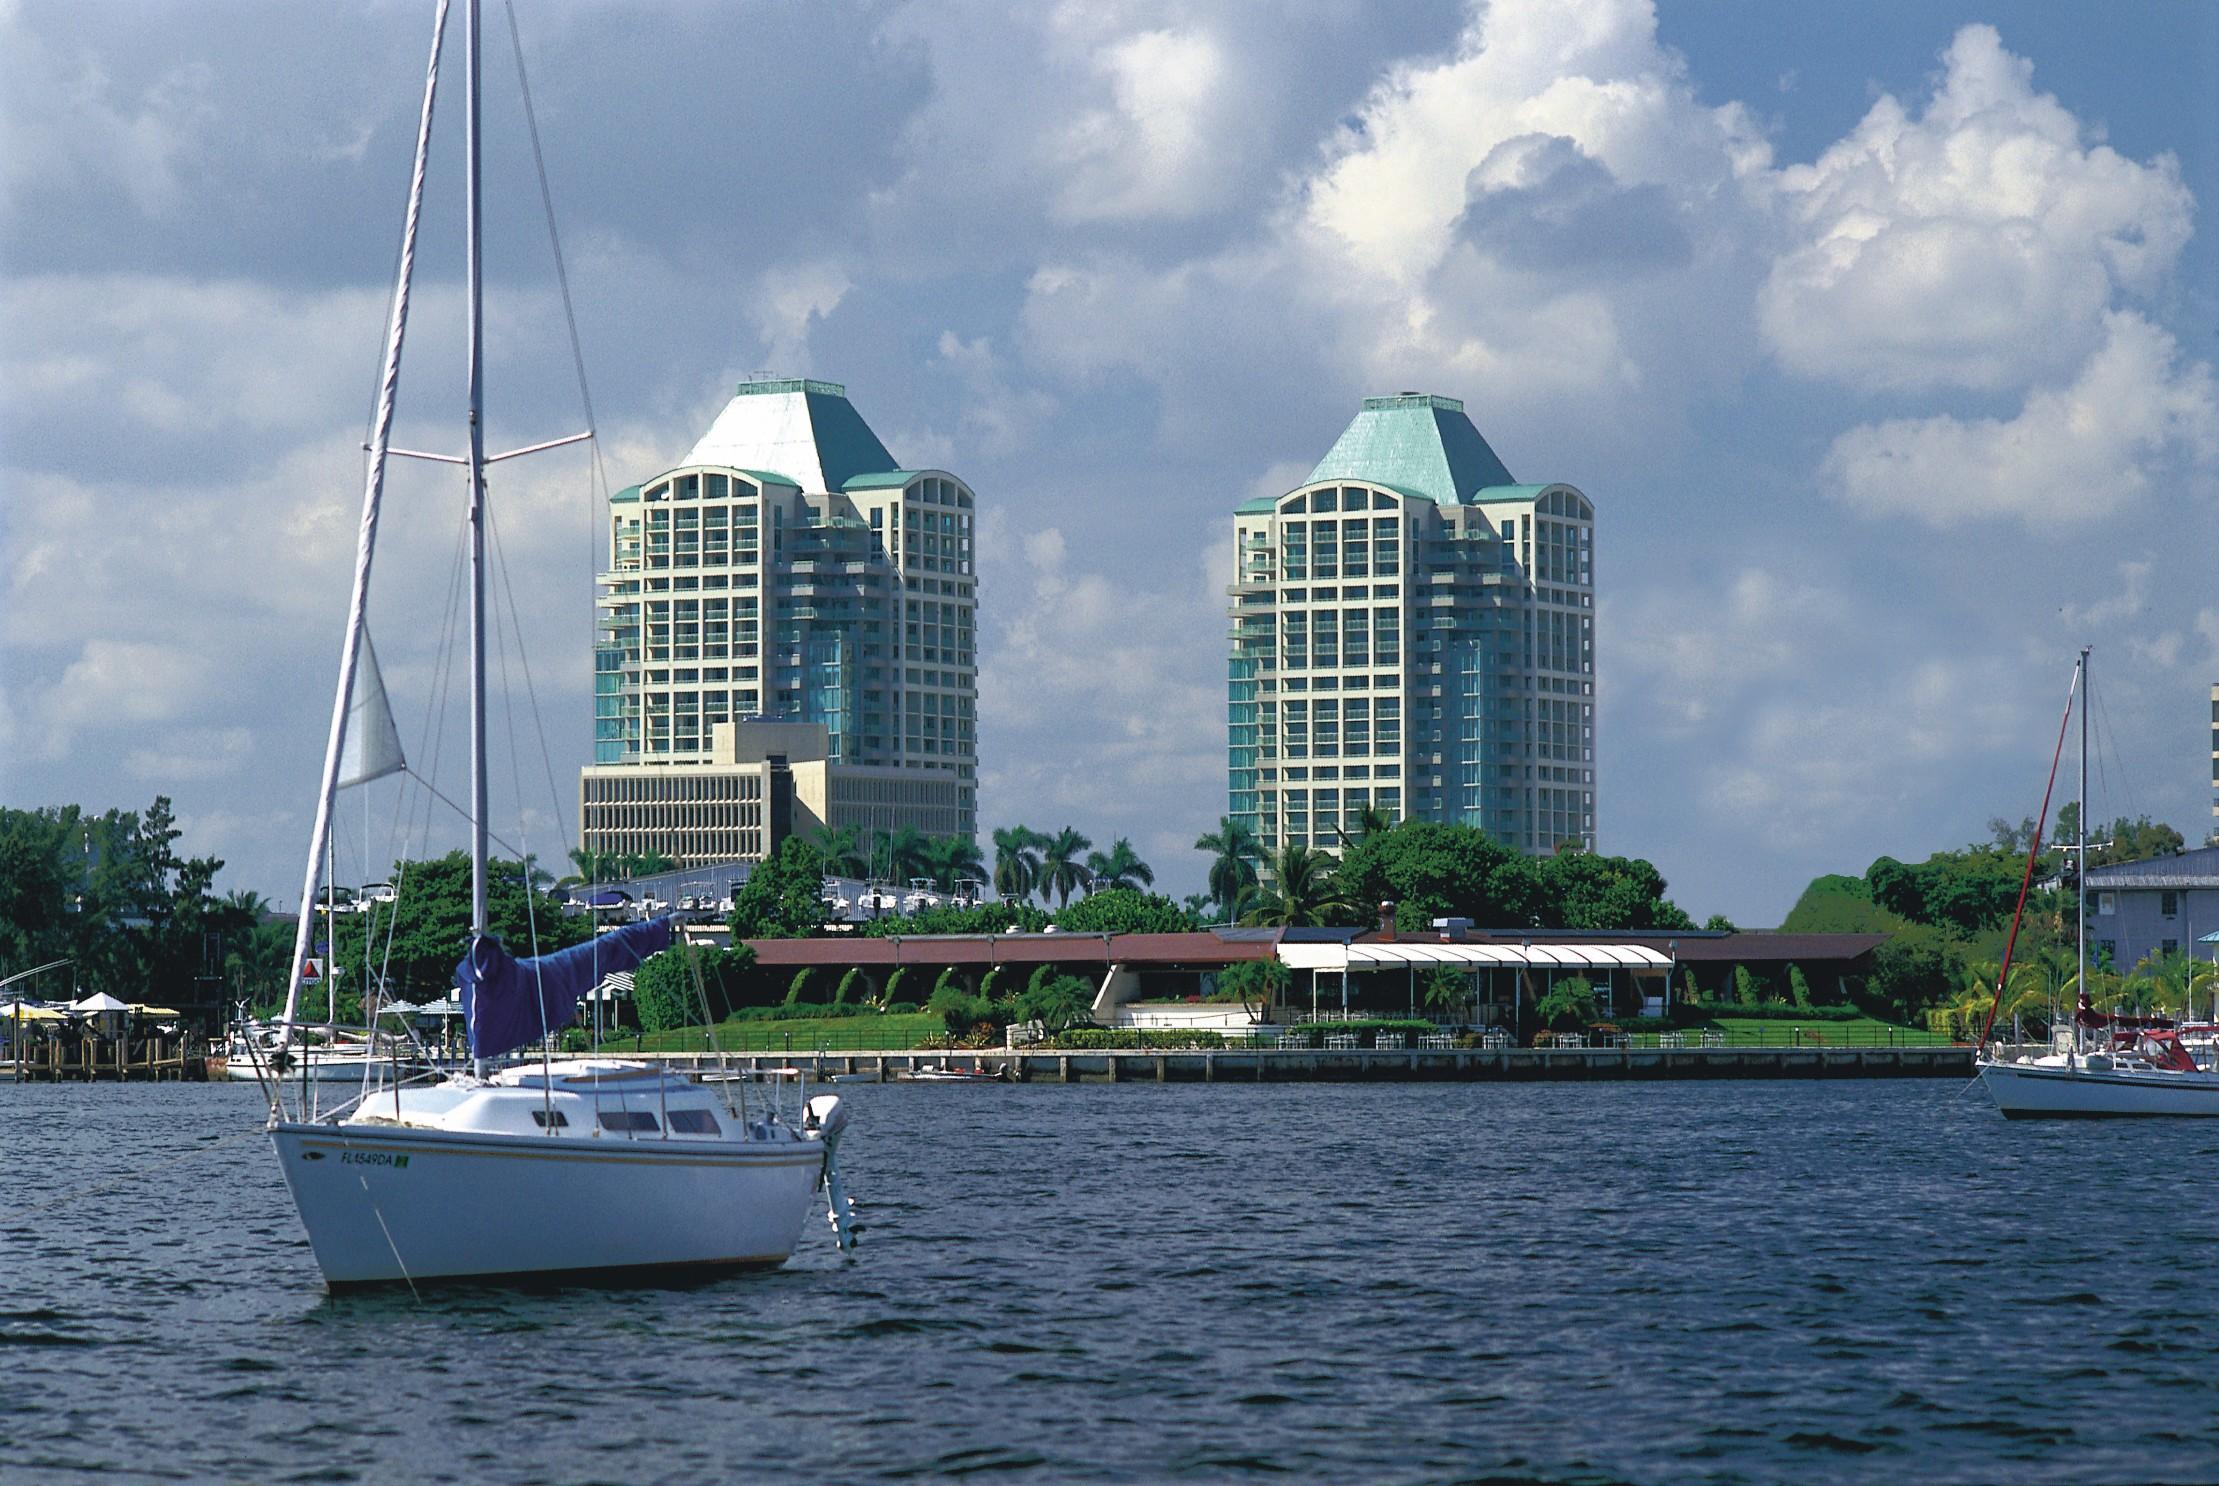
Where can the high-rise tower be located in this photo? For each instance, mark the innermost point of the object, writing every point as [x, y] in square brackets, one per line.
[1414, 631]
[787, 570]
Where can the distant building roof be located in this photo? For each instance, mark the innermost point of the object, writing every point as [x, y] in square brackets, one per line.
[1417, 442]
[1203, 950]
[2189, 869]
[796, 424]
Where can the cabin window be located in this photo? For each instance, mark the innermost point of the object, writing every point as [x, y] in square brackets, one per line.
[628, 1120]
[550, 1119]
[2168, 904]
[694, 1122]
[2107, 902]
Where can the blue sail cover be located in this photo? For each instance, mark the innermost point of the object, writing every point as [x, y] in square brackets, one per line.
[507, 1002]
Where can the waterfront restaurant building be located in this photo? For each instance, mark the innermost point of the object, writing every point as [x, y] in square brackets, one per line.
[786, 571]
[1413, 630]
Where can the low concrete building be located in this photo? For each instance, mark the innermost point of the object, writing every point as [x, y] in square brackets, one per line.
[761, 782]
[2159, 906]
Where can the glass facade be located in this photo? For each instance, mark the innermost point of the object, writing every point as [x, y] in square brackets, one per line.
[1414, 656]
[734, 593]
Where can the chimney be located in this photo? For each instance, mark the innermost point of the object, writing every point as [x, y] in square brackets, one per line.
[1387, 921]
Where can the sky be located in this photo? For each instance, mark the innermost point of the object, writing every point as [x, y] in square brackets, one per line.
[1881, 337]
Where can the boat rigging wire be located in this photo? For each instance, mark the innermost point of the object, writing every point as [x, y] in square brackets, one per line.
[2033, 851]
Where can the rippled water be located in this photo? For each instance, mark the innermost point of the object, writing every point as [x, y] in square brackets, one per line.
[1740, 1281]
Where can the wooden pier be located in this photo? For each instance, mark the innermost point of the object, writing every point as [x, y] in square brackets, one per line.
[107, 1060]
[1366, 1065]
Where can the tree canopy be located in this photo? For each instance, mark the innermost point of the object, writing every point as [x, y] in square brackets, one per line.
[1429, 870]
[110, 894]
[417, 940]
[783, 897]
[1124, 910]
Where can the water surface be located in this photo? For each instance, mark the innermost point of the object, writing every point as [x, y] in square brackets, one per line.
[1651, 1282]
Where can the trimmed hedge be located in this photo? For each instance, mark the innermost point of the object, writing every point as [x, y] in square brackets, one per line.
[1133, 1039]
[1769, 1012]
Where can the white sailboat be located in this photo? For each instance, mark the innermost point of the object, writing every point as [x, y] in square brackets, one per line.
[2105, 1066]
[582, 1166]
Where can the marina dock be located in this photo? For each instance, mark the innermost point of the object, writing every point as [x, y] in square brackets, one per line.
[107, 1060]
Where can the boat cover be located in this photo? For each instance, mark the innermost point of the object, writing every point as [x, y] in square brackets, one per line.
[507, 1002]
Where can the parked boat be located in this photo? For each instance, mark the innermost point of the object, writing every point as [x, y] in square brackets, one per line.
[2106, 1065]
[582, 1166]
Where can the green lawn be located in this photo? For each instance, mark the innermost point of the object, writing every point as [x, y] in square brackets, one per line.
[1865, 1032]
[801, 1034]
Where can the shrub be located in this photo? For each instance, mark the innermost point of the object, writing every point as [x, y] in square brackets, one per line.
[1776, 1011]
[902, 1008]
[956, 1006]
[797, 985]
[1799, 989]
[847, 981]
[664, 995]
[1569, 1003]
[1134, 1039]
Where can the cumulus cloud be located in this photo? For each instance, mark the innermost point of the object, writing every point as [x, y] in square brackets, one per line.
[141, 141]
[1803, 769]
[1149, 149]
[789, 299]
[1095, 687]
[1538, 221]
[1699, 649]
[1974, 243]
[2071, 454]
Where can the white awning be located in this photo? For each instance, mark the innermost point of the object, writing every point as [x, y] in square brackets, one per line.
[1381, 956]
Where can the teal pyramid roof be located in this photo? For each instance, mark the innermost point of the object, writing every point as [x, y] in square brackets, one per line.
[1417, 442]
[802, 427]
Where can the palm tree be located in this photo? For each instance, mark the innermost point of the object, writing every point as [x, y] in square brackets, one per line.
[1016, 861]
[1302, 893]
[593, 866]
[1120, 866]
[1061, 870]
[840, 850]
[908, 853]
[1370, 821]
[1235, 849]
[953, 859]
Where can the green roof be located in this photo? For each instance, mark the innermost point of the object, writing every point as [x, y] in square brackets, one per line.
[1494, 493]
[629, 492]
[768, 477]
[882, 480]
[1417, 444]
[1262, 505]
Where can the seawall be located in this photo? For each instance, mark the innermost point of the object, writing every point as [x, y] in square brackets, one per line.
[1500, 1065]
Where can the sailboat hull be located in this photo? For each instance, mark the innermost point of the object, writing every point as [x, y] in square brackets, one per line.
[393, 1204]
[2025, 1091]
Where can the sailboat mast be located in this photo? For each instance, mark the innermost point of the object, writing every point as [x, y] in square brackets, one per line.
[474, 247]
[2080, 877]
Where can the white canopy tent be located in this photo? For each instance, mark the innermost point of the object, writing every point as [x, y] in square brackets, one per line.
[99, 1002]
